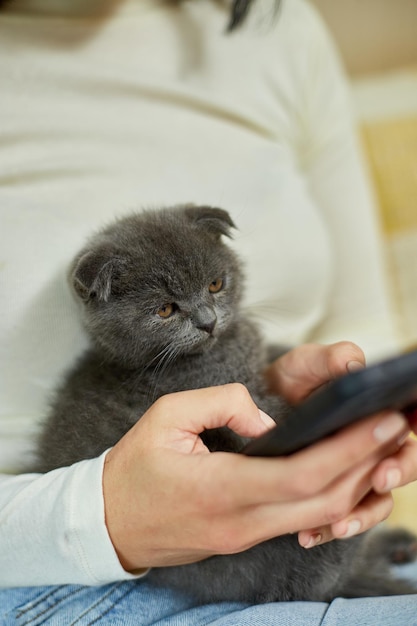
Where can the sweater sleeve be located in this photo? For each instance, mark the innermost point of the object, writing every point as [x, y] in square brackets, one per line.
[358, 307]
[52, 529]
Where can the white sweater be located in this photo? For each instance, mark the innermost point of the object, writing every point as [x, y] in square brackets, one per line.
[148, 105]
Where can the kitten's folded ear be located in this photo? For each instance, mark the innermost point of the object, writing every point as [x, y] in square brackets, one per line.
[214, 220]
[93, 272]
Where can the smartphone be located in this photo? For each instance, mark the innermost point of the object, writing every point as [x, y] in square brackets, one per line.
[391, 384]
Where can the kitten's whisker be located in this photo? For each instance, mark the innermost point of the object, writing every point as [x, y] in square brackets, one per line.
[268, 312]
[166, 356]
[160, 356]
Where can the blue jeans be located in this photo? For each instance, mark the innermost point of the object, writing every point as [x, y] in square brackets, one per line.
[139, 604]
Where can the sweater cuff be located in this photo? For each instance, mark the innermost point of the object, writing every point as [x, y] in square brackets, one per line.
[53, 530]
[87, 531]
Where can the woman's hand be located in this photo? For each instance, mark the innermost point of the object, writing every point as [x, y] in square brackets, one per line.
[168, 500]
[305, 369]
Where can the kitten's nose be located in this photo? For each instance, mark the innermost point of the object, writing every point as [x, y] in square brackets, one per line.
[205, 319]
[208, 327]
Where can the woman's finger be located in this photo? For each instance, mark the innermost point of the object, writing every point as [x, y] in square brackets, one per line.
[342, 499]
[311, 471]
[397, 470]
[372, 510]
[175, 421]
[314, 468]
[263, 522]
[304, 369]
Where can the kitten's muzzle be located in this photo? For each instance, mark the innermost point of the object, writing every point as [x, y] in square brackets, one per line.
[205, 319]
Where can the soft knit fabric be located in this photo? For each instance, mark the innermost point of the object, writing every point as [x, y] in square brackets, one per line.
[148, 104]
[64, 505]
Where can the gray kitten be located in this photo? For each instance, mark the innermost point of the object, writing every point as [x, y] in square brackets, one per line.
[160, 294]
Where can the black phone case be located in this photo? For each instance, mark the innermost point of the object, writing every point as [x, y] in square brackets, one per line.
[391, 384]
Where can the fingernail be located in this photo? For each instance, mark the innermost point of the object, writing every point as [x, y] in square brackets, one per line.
[392, 479]
[352, 528]
[314, 540]
[354, 366]
[391, 426]
[266, 419]
[403, 438]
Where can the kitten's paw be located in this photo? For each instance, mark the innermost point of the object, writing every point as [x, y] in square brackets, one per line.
[397, 546]
[402, 546]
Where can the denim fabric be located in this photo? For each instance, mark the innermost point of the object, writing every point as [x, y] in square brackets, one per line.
[138, 603]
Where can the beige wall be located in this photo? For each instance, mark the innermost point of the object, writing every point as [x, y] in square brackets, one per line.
[373, 35]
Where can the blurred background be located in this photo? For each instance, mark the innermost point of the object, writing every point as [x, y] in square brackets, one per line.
[377, 40]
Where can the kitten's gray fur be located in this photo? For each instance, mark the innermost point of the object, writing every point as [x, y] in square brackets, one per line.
[123, 276]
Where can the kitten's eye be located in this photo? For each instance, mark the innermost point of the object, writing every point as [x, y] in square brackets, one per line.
[216, 285]
[166, 311]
